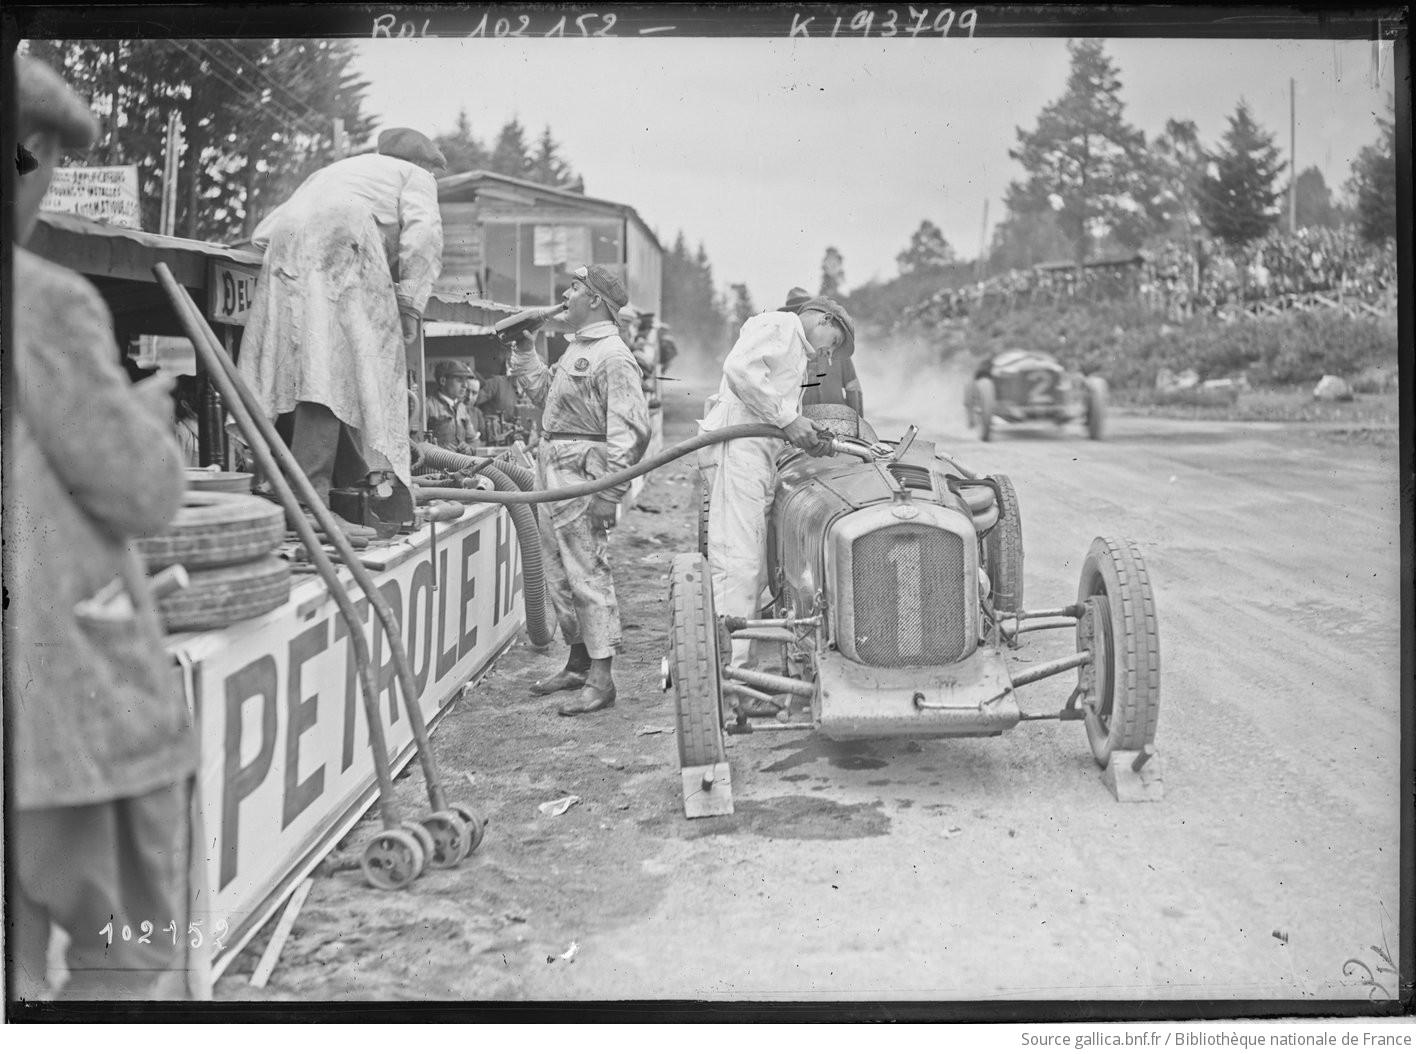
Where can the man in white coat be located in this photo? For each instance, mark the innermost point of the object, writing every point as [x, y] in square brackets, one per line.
[762, 384]
[350, 262]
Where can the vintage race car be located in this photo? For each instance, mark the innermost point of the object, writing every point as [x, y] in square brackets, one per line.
[1023, 386]
[897, 592]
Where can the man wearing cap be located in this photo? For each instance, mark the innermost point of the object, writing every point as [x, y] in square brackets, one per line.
[762, 384]
[833, 381]
[595, 421]
[101, 739]
[350, 262]
[449, 416]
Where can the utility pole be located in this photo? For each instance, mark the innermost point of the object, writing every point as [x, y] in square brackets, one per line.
[982, 245]
[167, 223]
[1292, 160]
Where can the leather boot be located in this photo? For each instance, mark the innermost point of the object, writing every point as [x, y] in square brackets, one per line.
[564, 681]
[588, 701]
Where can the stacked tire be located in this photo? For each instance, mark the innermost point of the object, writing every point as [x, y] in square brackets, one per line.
[226, 542]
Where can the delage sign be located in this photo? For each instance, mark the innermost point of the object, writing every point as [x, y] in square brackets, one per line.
[230, 290]
[109, 195]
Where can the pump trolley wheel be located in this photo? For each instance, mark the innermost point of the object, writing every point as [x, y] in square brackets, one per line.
[452, 839]
[424, 836]
[694, 662]
[1120, 688]
[476, 827]
[392, 859]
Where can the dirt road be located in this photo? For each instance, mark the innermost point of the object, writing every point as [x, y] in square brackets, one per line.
[991, 869]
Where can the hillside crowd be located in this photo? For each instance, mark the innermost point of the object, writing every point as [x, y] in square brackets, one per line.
[1181, 279]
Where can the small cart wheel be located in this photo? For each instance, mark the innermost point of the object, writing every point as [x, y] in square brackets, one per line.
[424, 836]
[392, 859]
[476, 827]
[452, 839]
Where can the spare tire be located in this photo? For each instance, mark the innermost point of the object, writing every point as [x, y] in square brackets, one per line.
[841, 419]
[213, 529]
[219, 596]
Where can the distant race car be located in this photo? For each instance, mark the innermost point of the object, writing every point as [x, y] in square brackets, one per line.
[1022, 386]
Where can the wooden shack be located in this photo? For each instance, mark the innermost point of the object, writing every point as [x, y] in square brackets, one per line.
[515, 242]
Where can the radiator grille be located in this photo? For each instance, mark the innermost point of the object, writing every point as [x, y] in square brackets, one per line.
[910, 607]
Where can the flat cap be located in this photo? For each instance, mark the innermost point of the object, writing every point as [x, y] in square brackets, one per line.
[453, 368]
[796, 296]
[603, 282]
[830, 307]
[412, 146]
[46, 103]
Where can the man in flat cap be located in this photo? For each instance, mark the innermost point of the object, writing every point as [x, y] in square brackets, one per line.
[762, 384]
[833, 380]
[350, 262]
[103, 745]
[595, 421]
[450, 421]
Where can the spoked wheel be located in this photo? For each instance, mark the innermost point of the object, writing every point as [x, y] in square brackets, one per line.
[392, 859]
[1003, 549]
[452, 841]
[983, 403]
[1096, 407]
[694, 662]
[476, 828]
[1120, 688]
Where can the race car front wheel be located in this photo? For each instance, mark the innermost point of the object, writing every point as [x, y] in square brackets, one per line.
[1120, 688]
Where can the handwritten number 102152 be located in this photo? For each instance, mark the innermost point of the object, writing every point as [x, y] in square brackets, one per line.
[146, 930]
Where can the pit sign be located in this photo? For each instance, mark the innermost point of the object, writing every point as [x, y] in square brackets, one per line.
[231, 289]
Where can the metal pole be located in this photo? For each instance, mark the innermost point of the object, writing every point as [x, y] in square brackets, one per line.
[1292, 159]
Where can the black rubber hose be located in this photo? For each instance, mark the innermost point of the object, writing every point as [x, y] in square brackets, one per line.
[533, 573]
[578, 490]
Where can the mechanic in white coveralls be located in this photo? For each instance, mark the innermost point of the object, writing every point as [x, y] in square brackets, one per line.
[595, 421]
[762, 378]
[350, 262]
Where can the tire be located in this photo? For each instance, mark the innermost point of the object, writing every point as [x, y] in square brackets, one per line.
[1121, 689]
[842, 420]
[694, 662]
[984, 399]
[1003, 550]
[213, 529]
[219, 596]
[1096, 407]
[705, 497]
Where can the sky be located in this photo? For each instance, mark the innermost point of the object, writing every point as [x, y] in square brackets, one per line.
[769, 150]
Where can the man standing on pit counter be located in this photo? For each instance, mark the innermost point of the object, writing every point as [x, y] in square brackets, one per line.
[595, 422]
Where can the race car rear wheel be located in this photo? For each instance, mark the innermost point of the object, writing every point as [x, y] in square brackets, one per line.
[1096, 407]
[1120, 688]
[1003, 549]
[983, 402]
[695, 662]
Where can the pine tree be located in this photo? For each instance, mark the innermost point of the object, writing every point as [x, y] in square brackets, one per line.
[1373, 182]
[464, 152]
[549, 168]
[833, 272]
[1085, 162]
[929, 250]
[743, 307]
[510, 156]
[1314, 205]
[1238, 199]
